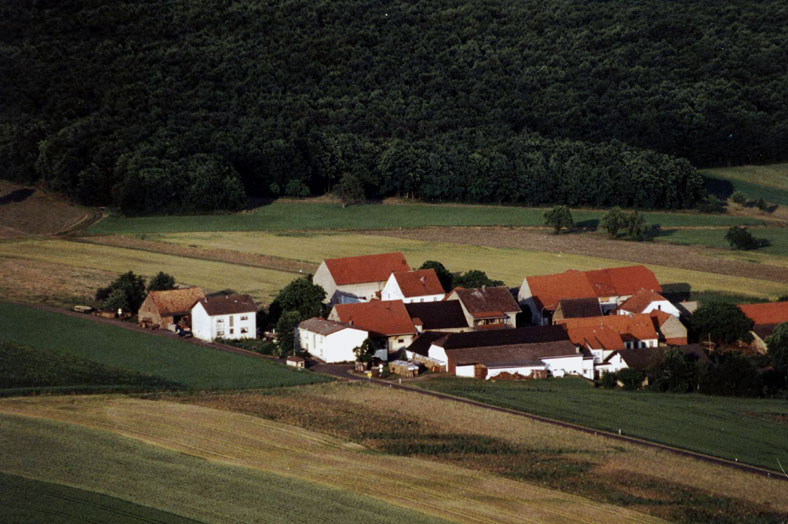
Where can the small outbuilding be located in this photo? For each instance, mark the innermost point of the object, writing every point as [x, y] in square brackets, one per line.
[296, 362]
[404, 368]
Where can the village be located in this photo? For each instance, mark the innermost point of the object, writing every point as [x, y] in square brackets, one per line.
[389, 319]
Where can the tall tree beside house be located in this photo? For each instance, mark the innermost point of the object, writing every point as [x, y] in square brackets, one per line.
[161, 281]
[444, 276]
[560, 217]
[285, 329]
[722, 323]
[126, 292]
[474, 278]
[300, 295]
[366, 351]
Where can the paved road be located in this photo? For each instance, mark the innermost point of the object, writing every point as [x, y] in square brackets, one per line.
[342, 371]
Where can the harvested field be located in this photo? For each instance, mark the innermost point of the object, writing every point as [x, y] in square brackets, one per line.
[262, 284]
[238, 255]
[26, 211]
[405, 423]
[441, 490]
[41, 282]
[681, 257]
[86, 475]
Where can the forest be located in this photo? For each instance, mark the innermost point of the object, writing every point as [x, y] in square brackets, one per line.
[167, 106]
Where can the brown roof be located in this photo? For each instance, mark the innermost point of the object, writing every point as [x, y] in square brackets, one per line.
[176, 301]
[638, 302]
[419, 283]
[228, 304]
[766, 313]
[381, 317]
[365, 268]
[437, 315]
[423, 342]
[644, 358]
[487, 302]
[616, 281]
[580, 307]
[322, 326]
[503, 337]
[511, 355]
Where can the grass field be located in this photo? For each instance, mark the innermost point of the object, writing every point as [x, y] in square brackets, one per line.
[776, 236]
[284, 216]
[23, 368]
[769, 182]
[748, 430]
[262, 284]
[26, 501]
[115, 479]
[506, 264]
[408, 424]
[438, 489]
[188, 365]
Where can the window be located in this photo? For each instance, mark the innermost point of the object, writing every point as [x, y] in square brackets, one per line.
[244, 317]
[244, 330]
[231, 322]
[220, 321]
[219, 333]
[400, 340]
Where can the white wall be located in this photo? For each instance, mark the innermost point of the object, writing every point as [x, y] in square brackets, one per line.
[522, 370]
[202, 326]
[391, 290]
[209, 328]
[323, 278]
[466, 371]
[335, 347]
[568, 365]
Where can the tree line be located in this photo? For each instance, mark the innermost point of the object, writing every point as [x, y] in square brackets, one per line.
[161, 107]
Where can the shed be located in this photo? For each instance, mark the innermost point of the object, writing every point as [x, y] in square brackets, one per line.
[404, 368]
[296, 362]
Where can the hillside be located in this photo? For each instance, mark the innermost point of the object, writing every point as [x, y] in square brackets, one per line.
[167, 106]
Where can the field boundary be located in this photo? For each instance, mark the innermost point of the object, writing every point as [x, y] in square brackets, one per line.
[343, 372]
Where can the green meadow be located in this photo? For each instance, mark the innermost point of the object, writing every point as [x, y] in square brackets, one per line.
[742, 429]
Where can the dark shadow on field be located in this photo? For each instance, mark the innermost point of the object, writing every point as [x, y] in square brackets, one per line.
[718, 187]
[19, 195]
[587, 225]
[677, 292]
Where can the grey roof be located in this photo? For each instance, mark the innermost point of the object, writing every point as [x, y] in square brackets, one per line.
[423, 342]
[580, 307]
[322, 326]
[438, 315]
[228, 304]
[504, 337]
[512, 355]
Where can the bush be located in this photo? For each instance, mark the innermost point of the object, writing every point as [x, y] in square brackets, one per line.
[126, 292]
[762, 204]
[739, 197]
[631, 379]
[710, 204]
[560, 217]
[722, 323]
[740, 238]
[608, 380]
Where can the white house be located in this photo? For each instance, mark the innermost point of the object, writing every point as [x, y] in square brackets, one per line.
[357, 279]
[328, 340]
[224, 316]
[386, 321]
[413, 286]
[645, 301]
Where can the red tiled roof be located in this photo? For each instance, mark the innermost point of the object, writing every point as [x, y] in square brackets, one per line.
[659, 317]
[637, 327]
[767, 313]
[638, 302]
[596, 337]
[617, 281]
[365, 268]
[419, 283]
[176, 301]
[489, 302]
[381, 317]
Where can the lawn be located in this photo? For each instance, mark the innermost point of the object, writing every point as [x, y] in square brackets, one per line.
[262, 284]
[747, 430]
[172, 360]
[769, 182]
[284, 216]
[115, 479]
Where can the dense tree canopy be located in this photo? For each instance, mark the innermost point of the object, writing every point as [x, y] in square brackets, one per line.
[166, 106]
[721, 322]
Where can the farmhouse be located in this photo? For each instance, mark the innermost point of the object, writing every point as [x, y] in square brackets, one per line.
[413, 286]
[385, 320]
[646, 301]
[536, 359]
[166, 307]
[487, 307]
[225, 316]
[606, 334]
[445, 316]
[765, 318]
[357, 279]
[611, 287]
[328, 340]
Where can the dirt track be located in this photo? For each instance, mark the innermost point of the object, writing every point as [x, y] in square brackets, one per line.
[671, 255]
